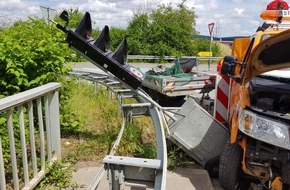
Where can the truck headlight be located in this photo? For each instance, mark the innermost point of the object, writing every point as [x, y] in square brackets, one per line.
[262, 128]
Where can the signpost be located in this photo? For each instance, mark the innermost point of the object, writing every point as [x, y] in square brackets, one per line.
[210, 28]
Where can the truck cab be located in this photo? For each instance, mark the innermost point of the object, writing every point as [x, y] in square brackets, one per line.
[259, 119]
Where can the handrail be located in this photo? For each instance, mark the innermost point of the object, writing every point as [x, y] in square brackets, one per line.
[14, 100]
[46, 141]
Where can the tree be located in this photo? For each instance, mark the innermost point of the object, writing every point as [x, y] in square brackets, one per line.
[117, 35]
[164, 31]
[138, 33]
[173, 29]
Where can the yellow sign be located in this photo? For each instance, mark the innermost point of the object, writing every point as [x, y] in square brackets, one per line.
[204, 53]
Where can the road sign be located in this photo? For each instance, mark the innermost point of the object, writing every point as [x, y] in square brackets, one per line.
[210, 28]
[204, 54]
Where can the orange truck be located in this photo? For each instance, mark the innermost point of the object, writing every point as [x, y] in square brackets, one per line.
[259, 106]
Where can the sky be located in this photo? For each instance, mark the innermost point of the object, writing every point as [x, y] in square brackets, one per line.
[231, 17]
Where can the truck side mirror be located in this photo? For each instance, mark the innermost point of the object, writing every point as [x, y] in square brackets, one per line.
[228, 65]
[230, 68]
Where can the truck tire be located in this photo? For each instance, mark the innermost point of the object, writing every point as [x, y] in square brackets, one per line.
[286, 173]
[212, 167]
[230, 166]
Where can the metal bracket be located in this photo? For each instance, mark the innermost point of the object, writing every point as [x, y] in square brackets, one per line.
[128, 171]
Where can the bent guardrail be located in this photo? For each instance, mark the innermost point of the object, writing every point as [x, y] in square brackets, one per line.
[32, 118]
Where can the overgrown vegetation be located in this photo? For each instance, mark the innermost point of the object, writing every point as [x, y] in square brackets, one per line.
[102, 120]
[31, 54]
[58, 177]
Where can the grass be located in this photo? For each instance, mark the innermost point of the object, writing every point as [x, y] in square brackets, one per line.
[95, 109]
[102, 120]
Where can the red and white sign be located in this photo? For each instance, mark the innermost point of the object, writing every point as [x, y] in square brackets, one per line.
[210, 28]
[136, 72]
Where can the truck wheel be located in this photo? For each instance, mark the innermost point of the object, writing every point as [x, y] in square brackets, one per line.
[286, 173]
[230, 166]
[212, 167]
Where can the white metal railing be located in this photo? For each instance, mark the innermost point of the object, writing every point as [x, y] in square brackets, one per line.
[39, 136]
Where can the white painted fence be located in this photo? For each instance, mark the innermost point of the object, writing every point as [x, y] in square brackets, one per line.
[39, 136]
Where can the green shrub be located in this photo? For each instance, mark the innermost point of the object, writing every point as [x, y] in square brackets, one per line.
[31, 54]
[70, 122]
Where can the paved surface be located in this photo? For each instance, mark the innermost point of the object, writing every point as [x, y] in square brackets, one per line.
[189, 178]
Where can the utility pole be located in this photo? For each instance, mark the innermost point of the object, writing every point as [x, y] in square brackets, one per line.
[48, 13]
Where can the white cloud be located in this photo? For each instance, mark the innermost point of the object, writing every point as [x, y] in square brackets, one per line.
[232, 17]
[11, 4]
[239, 11]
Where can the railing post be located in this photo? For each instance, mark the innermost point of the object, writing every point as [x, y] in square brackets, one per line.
[2, 171]
[54, 123]
[12, 149]
[41, 133]
[23, 145]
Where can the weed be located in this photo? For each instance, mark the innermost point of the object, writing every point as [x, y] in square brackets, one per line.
[132, 145]
[176, 156]
[58, 176]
